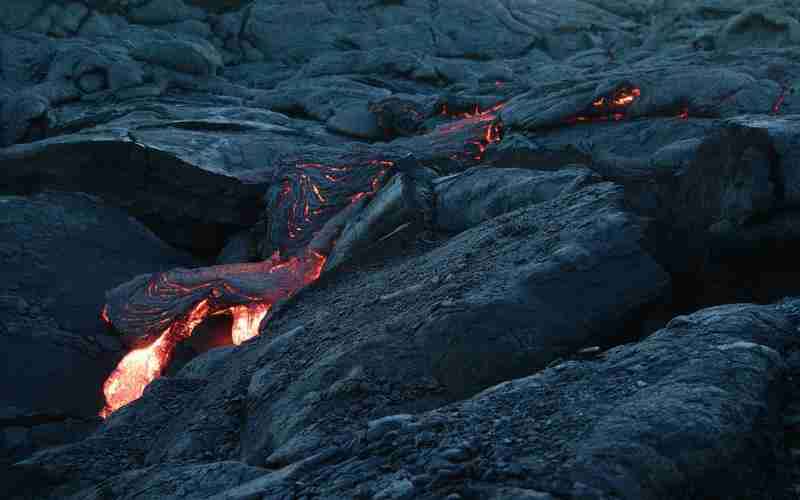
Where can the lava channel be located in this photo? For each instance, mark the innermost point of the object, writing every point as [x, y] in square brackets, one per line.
[156, 312]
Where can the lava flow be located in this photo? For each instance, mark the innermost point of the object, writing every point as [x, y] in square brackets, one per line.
[609, 108]
[490, 128]
[136, 370]
[156, 312]
[245, 291]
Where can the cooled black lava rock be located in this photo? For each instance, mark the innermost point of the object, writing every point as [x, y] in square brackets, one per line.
[60, 251]
[584, 171]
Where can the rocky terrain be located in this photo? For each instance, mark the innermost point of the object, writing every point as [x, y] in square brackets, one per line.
[400, 249]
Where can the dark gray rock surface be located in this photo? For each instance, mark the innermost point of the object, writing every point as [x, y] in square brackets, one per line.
[614, 426]
[60, 252]
[420, 336]
[522, 205]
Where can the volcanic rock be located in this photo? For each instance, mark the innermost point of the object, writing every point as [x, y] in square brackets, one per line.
[477, 242]
[580, 237]
[60, 250]
[544, 433]
[465, 200]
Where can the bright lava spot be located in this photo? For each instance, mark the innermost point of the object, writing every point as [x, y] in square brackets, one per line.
[246, 320]
[491, 130]
[141, 366]
[135, 372]
[626, 97]
[609, 108]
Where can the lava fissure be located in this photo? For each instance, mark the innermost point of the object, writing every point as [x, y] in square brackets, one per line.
[490, 130]
[612, 107]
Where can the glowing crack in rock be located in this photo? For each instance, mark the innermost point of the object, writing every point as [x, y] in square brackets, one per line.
[612, 107]
[154, 313]
[490, 131]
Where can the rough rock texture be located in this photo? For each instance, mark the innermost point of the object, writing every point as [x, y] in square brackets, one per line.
[517, 209]
[60, 252]
[613, 426]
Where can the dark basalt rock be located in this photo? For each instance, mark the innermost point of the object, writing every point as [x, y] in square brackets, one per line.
[400, 344]
[158, 188]
[465, 200]
[614, 426]
[506, 203]
[60, 252]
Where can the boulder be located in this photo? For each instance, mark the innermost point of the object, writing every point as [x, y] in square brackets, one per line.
[465, 200]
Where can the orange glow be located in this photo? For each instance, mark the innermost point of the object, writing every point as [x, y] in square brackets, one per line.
[489, 133]
[626, 97]
[305, 199]
[135, 372]
[357, 196]
[315, 188]
[246, 321]
[609, 108]
[313, 267]
[249, 291]
[141, 366]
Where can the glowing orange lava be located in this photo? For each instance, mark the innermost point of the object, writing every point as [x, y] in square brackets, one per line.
[135, 372]
[246, 320]
[609, 108]
[158, 307]
[491, 130]
[626, 97]
[141, 366]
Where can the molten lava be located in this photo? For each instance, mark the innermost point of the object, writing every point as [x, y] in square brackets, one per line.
[135, 372]
[246, 320]
[489, 127]
[245, 291]
[308, 194]
[609, 108]
[156, 312]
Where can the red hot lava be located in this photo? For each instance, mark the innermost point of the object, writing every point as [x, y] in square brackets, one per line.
[609, 108]
[245, 291]
[490, 130]
[165, 308]
[156, 312]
